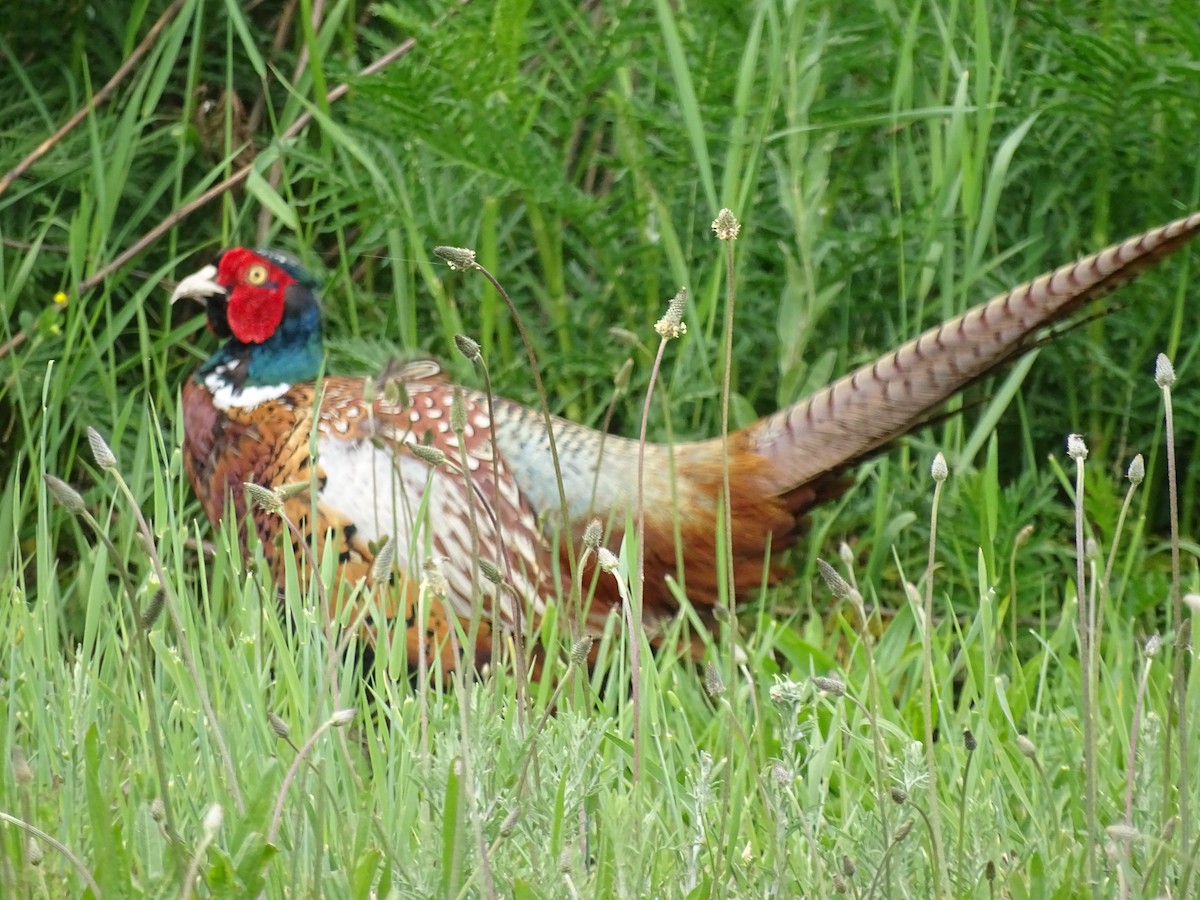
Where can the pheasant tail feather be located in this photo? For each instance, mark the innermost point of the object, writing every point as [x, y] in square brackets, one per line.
[879, 402]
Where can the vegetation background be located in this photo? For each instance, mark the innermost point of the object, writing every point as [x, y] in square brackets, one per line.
[891, 164]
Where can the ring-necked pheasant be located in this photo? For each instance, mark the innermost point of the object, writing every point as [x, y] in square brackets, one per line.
[249, 412]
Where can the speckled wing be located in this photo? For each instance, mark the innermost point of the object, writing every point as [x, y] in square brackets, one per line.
[375, 480]
[371, 486]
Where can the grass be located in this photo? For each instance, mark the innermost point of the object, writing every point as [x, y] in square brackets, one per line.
[889, 166]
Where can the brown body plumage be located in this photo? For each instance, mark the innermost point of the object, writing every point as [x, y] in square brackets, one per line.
[249, 413]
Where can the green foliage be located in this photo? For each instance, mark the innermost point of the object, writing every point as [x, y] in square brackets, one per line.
[890, 164]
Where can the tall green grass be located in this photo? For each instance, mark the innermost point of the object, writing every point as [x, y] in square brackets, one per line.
[889, 166]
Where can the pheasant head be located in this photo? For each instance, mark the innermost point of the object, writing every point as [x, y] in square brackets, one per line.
[264, 306]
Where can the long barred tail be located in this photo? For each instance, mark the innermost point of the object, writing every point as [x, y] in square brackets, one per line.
[810, 442]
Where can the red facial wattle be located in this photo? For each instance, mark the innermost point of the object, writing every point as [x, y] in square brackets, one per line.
[256, 294]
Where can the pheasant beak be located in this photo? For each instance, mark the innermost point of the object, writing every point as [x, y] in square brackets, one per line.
[199, 285]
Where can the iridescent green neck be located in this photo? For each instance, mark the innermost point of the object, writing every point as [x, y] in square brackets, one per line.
[293, 354]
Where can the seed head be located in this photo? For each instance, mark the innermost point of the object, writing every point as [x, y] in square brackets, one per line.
[580, 650]
[1164, 372]
[969, 740]
[829, 685]
[837, 585]
[713, 682]
[726, 226]
[848, 867]
[153, 609]
[342, 717]
[101, 452]
[939, 469]
[1026, 746]
[1136, 473]
[458, 258]
[592, 534]
[672, 325]
[1076, 448]
[1153, 645]
[491, 571]
[607, 561]
[158, 809]
[510, 822]
[65, 495]
[381, 566]
[34, 852]
[899, 796]
[468, 347]
[263, 497]
[279, 728]
[431, 455]
[1023, 536]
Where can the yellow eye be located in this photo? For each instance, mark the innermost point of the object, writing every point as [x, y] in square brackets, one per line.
[256, 275]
